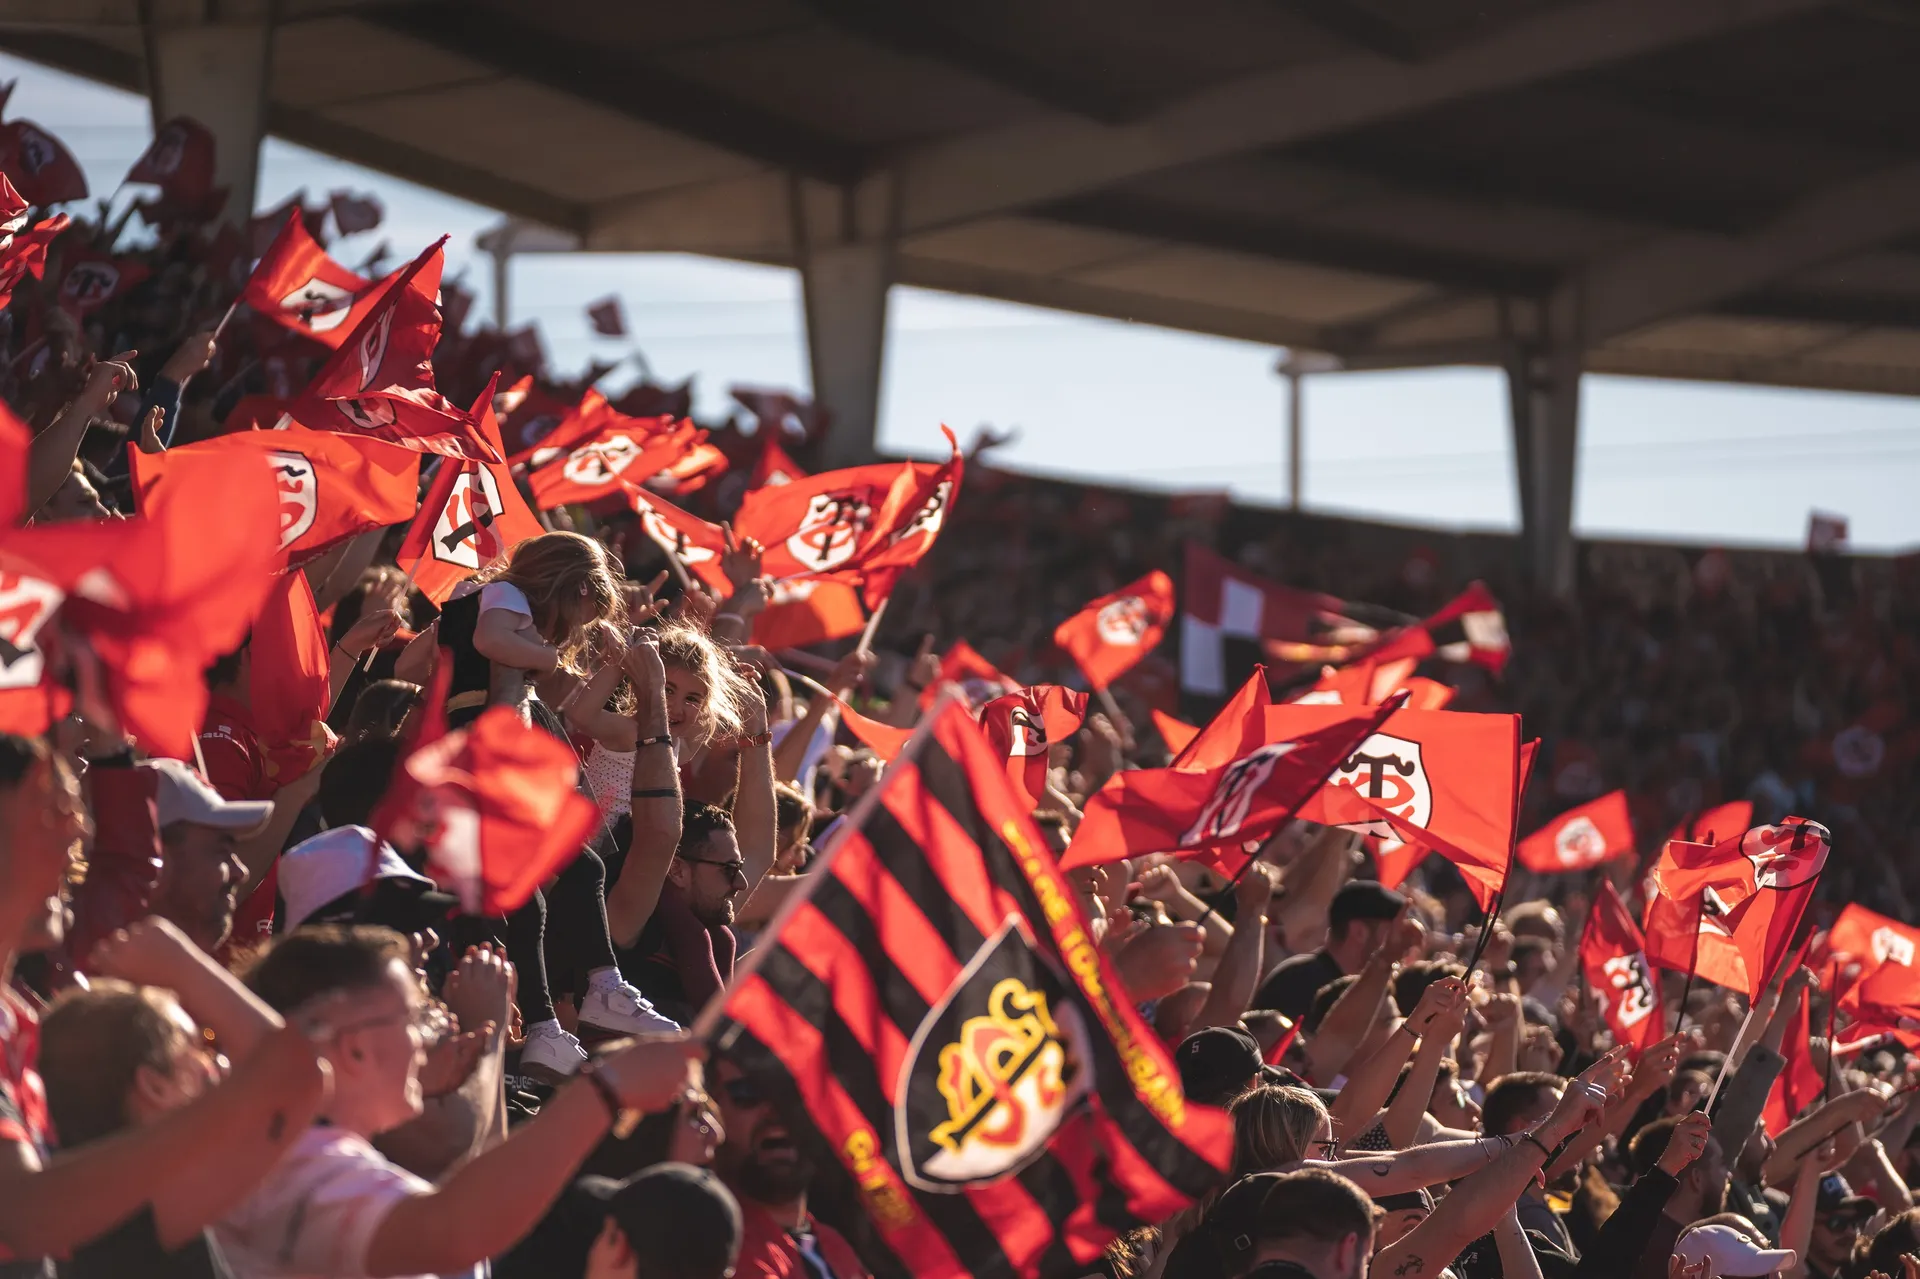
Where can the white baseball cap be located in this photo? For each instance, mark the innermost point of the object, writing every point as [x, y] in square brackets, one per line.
[335, 862]
[1721, 1252]
[182, 795]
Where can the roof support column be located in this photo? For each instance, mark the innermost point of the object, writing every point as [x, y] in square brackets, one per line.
[845, 272]
[1544, 392]
[215, 72]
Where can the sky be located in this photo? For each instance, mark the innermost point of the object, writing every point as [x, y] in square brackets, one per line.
[1133, 404]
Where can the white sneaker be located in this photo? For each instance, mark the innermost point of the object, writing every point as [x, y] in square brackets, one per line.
[551, 1053]
[617, 1005]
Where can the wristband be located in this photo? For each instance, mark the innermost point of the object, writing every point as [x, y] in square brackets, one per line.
[663, 792]
[759, 739]
[591, 1073]
[662, 740]
[1527, 1136]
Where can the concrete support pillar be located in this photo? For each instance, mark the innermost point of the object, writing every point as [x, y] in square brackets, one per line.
[844, 248]
[216, 72]
[1544, 392]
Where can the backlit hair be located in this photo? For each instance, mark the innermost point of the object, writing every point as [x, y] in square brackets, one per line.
[689, 647]
[570, 584]
[92, 1045]
[1274, 1126]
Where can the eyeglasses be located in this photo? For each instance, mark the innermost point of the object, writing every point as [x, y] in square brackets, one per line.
[742, 1091]
[736, 871]
[430, 1021]
[1327, 1149]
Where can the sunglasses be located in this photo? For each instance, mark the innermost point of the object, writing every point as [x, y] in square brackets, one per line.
[736, 871]
[743, 1092]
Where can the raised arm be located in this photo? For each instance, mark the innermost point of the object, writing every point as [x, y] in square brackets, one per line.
[153, 952]
[754, 822]
[371, 630]
[1744, 1094]
[1410, 1103]
[50, 456]
[1351, 1018]
[1308, 886]
[1627, 1233]
[791, 754]
[1650, 1076]
[1517, 1260]
[1472, 1208]
[1370, 1082]
[1399, 1171]
[1237, 973]
[655, 799]
[1814, 1127]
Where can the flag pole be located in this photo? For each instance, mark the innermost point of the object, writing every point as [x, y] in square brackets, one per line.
[1833, 1001]
[1727, 1061]
[405, 588]
[873, 624]
[221, 327]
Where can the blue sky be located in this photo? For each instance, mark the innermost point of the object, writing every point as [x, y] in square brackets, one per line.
[1138, 405]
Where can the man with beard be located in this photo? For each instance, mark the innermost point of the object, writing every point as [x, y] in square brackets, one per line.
[685, 953]
[1701, 1190]
[201, 871]
[769, 1175]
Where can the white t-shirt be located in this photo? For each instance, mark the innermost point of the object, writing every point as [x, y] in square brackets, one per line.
[505, 595]
[315, 1214]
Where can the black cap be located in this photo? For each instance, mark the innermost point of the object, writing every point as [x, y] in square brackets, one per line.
[1221, 1062]
[1364, 899]
[1233, 1223]
[680, 1218]
[1406, 1201]
[1836, 1195]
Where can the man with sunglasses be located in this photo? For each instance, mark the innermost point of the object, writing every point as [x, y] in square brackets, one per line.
[685, 953]
[770, 1175]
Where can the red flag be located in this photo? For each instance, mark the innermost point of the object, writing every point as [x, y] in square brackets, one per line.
[528, 415]
[472, 515]
[1582, 837]
[1369, 683]
[945, 1041]
[1225, 601]
[538, 440]
[1175, 733]
[16, 450]
[773, 467]
[330, 486]
[1109, 635]
[353, 214]
[1237, 728]
[1021, 726]
[94, 279]
[494, 806]
[697, 544]
[296, 285]
[379, 383]
[607, 318]
[1741, 898]
[1470, 628]
[1441, 781]
[1159, 810]
[809, 611]
[180, 162]
[1613, 957]
[884, 740]
[1799, 1084]
[1715, 824]
[612, 459]
[978, 678]
[23, 252]
[40, 167]
[1861, 942]
[287, 686]
[699, 467]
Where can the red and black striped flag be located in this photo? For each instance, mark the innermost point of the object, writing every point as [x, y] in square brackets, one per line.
[952, 1050]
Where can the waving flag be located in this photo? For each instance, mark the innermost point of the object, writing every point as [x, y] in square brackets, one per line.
[379, 383]
[1219, 809]
[696, 544]
[1581, 838]
[1715, 824]
[1470, 628]
[1613, 957]
[23, 251]
[1741, 898]
[1108, 636]
[980, 680]
[494, 807]
[945, 1042]
[287, 686]
[353, 214]
[772, 467]
[94, 279]
[1439, 781]
[297, 286]
[1861, 942]
[1369, 683]
[179, 161]
[40, 167]
[1225, 602]
[1020, 727]
[330, 486]
[471, 516]
[613, 459]
[606, 318]
[1177, 734]
[1799, 1084]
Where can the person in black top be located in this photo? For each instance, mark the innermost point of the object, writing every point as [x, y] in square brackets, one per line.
[1357, 924]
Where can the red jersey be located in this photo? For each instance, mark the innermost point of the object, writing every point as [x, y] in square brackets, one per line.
[237, 767]
[768, 1250]
[23, 1100]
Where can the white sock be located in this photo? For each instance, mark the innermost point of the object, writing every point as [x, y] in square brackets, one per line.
[604, 979]
[540, 1028]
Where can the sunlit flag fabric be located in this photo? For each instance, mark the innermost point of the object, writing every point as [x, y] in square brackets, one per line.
[1020, 727]
[471, 516]
[1613, 957]
[39, 165]
[288, 689]
[529, 415]
[1110, 635]
[1174, 732]
[1861, 942]
[494, 807]
[1442, 781]
[1469, 628]
[623, 453]
[330, 486]
[954, 1053]
[980, 680]
[1799, 1084]
[1369, 683]
[1581, 838]
[1742, 897]
[1715, 824]
[1238, 727]
[379, 384]
[696, 544]
[1222, 602]
[1163, 810]
[298, 286]
[772, 467]
[23, 249]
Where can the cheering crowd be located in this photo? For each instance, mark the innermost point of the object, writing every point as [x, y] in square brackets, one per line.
[454, 824]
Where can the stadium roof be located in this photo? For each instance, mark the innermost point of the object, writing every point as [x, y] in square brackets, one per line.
[1721, 189]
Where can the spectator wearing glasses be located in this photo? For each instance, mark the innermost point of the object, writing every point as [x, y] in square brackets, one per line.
[686, 951]
[770, 1175]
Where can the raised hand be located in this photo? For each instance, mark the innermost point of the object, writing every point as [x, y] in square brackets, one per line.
[851, 671]
[370, 630]
[452, 1059]
[643, 599]
[1658, 1064]
[652, 1074]
[1159, 960]
[148, 952]
[1253, 892]
[480, 988]
[1686, 1143]
[644, 665]
[1440, 1002]
[189, 358]
[149, 439]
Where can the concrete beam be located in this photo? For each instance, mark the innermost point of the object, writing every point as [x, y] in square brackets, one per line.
[216, 73]
[1544, 395]
[845, 258]
[1677, 274]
